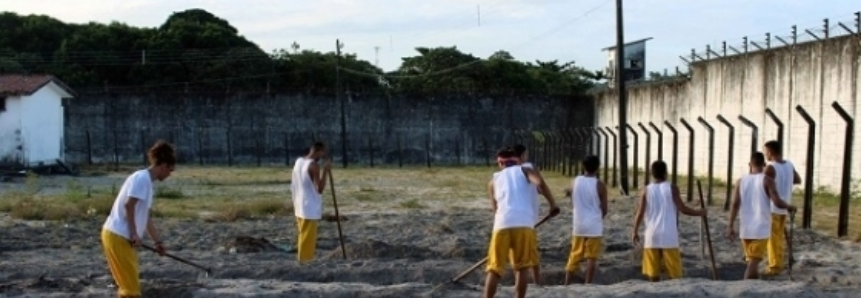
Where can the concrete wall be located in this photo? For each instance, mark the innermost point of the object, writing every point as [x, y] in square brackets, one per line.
[218, 128]
[812, 75]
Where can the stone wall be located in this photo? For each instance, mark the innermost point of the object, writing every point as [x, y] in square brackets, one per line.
[811, 75]
[276, 128]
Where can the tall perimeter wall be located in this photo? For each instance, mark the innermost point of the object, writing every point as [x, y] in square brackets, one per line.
[811, 75]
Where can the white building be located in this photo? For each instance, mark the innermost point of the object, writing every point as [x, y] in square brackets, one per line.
[31, 120]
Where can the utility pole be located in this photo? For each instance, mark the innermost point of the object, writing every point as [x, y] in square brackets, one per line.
[377, 56]
[623, 98]
[338, 46]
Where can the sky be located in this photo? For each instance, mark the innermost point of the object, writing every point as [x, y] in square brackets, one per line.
[530, 30]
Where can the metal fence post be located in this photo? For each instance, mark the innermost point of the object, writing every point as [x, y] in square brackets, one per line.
[675, 151]
[648, 158]
[636, 153]
[729, 160]
[845, 191]
[753, 133]
[690, 158]
[615, 152]
[711, 156]
[808, 171]
[597, 147]
[606, 152]
[779, 124]
[660, 140]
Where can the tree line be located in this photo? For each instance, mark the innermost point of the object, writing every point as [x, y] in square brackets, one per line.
[196, 51]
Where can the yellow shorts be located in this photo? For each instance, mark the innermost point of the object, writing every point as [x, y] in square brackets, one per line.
[654, 258]
[123, 262]
[518, 245]
[754, 248]
[306, 246]
[583, 248]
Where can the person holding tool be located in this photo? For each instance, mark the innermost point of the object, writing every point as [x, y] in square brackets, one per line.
[752, 197]
[511, 192]
[307, 186]
[130, 217]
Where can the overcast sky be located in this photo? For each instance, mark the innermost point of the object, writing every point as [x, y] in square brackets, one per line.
[564, 30]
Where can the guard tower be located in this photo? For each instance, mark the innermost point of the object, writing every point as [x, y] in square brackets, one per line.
[634, 61]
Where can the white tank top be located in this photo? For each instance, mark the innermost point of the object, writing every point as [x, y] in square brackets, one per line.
[586, 216]
[536, 201]
[755, 212]
[660, 217]
[307, 202]
[784, 174]
[514, 199]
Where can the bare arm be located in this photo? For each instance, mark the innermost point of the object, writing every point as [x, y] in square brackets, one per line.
[796, 179]
[769, 172]
[736, 204]
[491, 195]
[602, 195]
[130, 216]
[151, 231]
[318, 178]
[771, 190]
[677, 198]
[536, 179]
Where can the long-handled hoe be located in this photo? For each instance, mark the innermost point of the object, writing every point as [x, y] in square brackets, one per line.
[469, 270]
[207, 270]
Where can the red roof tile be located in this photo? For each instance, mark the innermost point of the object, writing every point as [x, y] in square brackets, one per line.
[19, 84]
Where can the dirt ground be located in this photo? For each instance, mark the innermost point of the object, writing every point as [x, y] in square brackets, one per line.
[409, 231]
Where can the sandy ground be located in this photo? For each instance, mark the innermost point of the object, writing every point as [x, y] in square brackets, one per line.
[396, 253]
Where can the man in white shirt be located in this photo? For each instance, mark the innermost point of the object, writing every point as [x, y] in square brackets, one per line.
[589, 207]
[130, 217]
[784, 175]
[753, 195]
[522, 155]
[307, 187]
[659, 203]
[511, 191]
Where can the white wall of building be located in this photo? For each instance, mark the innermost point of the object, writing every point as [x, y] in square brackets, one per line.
[10, 131]
[42, 125]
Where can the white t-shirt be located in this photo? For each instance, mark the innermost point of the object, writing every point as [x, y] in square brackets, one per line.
[755, 211]
[586, 216]
[784, 174]
[307, 202]
[536, 201]
[660, 217]
[137, 185]
[514, 195]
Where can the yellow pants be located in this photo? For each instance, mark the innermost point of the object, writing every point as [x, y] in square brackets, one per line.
[776, 244]
[123, 261]
[307, 239]
[583, 248]
[518, 245]
[670, 258]
[754, 248]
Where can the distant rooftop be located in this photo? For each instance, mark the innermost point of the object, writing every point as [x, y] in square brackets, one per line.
[21, 84]
[627, 44]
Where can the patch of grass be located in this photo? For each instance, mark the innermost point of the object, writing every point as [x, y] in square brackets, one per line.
[236, 211]
[412, 204]
[33, 209]
[365, 197]
[167, 211]
[165, 192]
[76, 192]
